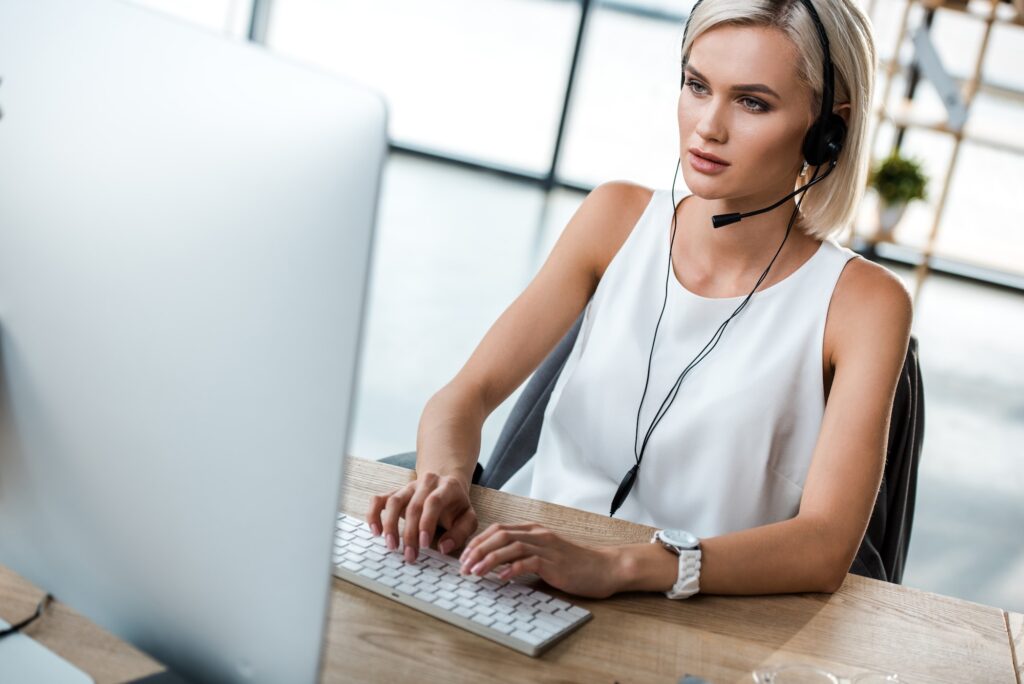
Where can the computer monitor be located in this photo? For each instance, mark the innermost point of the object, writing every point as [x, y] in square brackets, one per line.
[185, 234]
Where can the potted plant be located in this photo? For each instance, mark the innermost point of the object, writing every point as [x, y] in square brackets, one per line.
[897, 180]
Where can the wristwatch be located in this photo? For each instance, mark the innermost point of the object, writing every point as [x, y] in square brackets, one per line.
[687, 547]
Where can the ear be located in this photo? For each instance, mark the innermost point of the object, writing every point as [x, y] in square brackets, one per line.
[843, 111]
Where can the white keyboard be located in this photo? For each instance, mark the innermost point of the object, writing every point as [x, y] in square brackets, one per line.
[512, 614]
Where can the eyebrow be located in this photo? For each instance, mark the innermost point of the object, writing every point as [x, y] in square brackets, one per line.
[742, 88]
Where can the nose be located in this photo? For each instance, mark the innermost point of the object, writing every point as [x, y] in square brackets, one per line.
[711, 122]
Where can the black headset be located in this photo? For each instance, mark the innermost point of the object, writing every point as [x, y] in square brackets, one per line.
[822, 145]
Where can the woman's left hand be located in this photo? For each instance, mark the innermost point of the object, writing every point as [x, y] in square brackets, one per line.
[573, 568]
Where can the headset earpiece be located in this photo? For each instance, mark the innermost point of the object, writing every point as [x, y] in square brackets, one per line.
[824, 140]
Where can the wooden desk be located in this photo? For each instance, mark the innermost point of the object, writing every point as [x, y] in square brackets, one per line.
[1015, 628]
[92, 649]
[646, 637]
[632, 638]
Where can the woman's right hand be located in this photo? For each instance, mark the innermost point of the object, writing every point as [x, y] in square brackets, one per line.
[427, 501]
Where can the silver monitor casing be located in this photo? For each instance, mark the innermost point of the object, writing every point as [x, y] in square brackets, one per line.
[185, 236]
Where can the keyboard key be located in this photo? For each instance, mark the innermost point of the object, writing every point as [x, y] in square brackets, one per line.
[578, 612]
[406, 588]
[444, 604]
[563, 616]
[546, 622]
[503, 628]
[482, 619]
[545, 633]
[388, 581]
[558, 603]
[463, 612]
[369, 573]
[349, 565]
[528, 637]
[427, 596]
[522, 625]
[503, 617]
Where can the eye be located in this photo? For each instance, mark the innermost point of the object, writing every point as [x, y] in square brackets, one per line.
[754, 105]
[692, 83]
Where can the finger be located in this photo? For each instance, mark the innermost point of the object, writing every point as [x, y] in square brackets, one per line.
[377, 503]
[444, 501]
[393, 510]
[523, 566]
[459, 531]
[509, 553]
[495, 539]
[485, 536]
[425, 484]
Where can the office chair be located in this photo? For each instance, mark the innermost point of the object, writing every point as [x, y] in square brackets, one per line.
[883, 552]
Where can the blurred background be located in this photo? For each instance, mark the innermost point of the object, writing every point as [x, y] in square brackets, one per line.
[505, 113]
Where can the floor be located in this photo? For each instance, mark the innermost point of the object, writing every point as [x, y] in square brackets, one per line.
[455, 246]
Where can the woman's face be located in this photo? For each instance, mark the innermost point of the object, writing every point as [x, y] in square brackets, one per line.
[743, 102]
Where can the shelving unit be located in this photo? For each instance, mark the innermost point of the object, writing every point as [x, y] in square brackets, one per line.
[991, 13]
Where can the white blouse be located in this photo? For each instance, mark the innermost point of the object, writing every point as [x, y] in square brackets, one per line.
[733, 450]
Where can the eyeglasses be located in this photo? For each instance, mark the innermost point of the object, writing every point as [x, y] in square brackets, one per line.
[808, 674]
[15, 628]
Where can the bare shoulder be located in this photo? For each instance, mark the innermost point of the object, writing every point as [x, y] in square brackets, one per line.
[870, 307]
[605, 219]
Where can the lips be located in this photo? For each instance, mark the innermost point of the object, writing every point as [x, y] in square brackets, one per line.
[707, 155]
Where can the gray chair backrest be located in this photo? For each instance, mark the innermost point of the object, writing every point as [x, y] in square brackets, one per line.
[883, 552]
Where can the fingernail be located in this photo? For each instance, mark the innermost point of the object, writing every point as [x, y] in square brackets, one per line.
[410, 554]
[375, 529]
[392, 542]
[424, 539]
[465, 552]
[446, 546]
[477, 568]
[504, 574]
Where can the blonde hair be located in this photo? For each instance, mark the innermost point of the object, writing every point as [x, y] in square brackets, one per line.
[831, 205]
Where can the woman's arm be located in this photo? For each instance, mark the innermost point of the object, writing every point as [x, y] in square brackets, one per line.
[867, 335]
[448, 438]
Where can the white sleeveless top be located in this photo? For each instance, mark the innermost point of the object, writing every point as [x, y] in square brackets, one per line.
[733, 450]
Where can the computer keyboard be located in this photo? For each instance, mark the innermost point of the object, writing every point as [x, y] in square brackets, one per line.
[509, 613]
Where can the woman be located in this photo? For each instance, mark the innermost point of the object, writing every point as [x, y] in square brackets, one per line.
[773, 453]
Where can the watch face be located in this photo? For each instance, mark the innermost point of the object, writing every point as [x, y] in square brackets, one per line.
[680, 538]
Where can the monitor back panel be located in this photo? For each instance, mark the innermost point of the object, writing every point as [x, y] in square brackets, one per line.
[185, 233]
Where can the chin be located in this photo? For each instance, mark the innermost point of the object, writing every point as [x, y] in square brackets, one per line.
[706, 187]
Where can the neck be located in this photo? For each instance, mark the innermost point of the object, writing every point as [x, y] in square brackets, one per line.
[745, 246]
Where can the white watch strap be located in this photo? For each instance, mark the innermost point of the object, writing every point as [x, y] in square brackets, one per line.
[688, 580]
